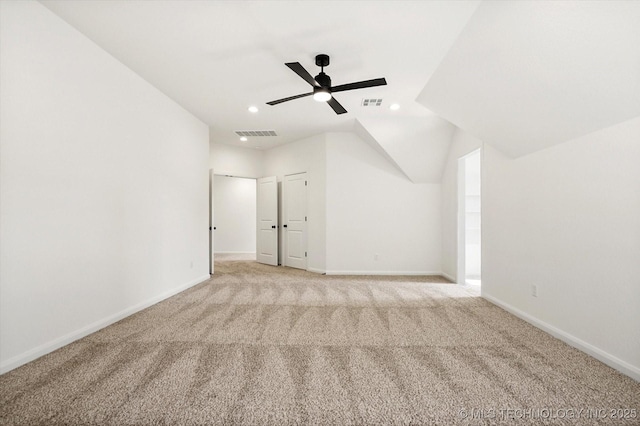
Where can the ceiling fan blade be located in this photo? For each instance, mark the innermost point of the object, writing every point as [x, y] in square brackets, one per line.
[299, 69]
[339, 109]
[290, 98]
[359, 85]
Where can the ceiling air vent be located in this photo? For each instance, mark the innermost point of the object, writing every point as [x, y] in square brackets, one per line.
[371, 102]
[253, 133]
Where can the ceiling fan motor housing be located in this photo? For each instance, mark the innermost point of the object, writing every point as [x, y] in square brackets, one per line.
[323, 80]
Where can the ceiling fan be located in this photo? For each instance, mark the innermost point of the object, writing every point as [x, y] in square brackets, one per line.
[322, 89]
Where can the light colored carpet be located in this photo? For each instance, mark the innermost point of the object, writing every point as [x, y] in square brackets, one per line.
[224, 257]
[265, 345]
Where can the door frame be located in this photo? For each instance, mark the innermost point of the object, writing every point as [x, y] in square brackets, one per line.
[212, 174]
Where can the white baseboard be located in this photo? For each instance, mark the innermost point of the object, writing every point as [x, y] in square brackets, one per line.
[233, 252]
[51, 346]
[413, 273]
[612, 361]
[449, 277]
[417, 273]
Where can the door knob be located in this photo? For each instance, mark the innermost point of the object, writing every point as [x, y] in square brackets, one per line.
[273, 226]
[284, 226]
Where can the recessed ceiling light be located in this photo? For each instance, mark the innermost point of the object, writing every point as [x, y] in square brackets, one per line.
[394, 106]
[243, 138]
[253, 109]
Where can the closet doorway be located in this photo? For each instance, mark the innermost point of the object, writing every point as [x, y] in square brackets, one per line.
[234, 222]
[469, 220]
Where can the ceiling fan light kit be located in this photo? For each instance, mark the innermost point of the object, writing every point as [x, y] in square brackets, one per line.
[322, 89]
[321, 94]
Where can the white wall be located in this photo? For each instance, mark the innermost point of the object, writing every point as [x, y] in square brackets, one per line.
[307, 155]
[235, 214]
[567, 219]
[103, 187]
[359, 206]
[235, 160]
[462, 143]
[373, 209]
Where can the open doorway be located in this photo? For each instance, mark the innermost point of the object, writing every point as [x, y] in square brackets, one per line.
[234, 221]
[469, 220]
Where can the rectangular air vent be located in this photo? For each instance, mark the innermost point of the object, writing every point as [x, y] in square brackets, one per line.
[371, 102]
[256, 133]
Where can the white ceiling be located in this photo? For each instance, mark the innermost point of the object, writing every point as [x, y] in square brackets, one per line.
[527, 75]
[216, 58]
[520, 75]
[417, 145]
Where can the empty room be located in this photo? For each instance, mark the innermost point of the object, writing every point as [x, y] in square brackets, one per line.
[319, 212]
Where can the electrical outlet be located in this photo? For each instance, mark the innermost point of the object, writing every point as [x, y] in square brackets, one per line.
[534, 290]
[376, 257]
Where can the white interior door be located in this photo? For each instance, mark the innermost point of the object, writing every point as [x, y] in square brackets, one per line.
[295, 221]
[267, 221]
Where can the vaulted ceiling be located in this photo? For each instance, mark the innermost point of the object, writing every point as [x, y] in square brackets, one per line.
[524, 76]
[519, 75]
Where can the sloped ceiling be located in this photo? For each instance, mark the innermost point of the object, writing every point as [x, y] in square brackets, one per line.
[364, 134]
[216, 58]
[525, 75]
[417, 145]
[520, 75]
